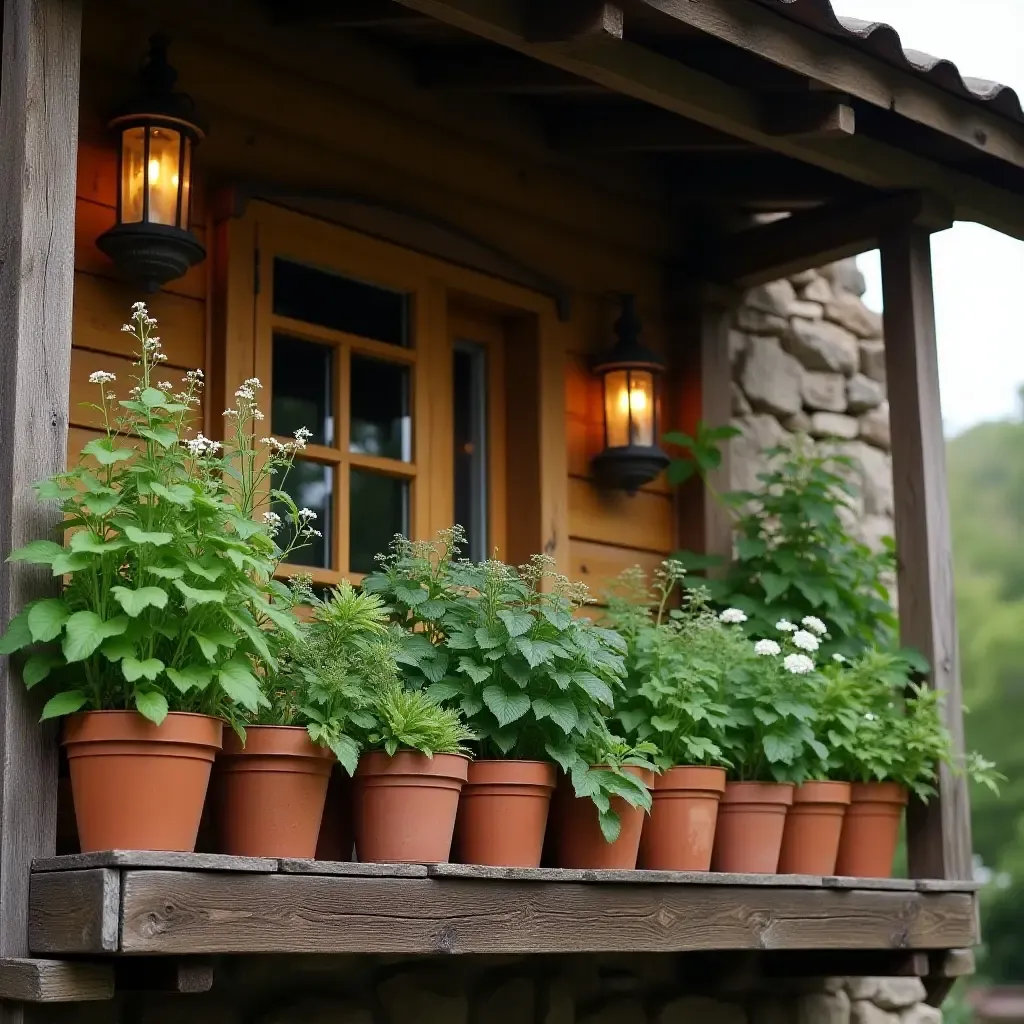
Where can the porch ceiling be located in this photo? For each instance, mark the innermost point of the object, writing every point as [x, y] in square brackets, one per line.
[765, 105]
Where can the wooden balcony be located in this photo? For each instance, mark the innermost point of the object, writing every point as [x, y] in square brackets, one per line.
[195, 904]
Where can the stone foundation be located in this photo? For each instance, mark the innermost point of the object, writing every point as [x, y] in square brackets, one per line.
[514, 990]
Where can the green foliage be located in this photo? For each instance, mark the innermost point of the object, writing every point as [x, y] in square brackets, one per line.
[413, 720]
[793, 556]
[503, 646]
[329, 675]
[170, 602]
[674, 679]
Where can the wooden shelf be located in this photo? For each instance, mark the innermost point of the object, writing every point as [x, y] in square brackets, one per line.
[185, 904]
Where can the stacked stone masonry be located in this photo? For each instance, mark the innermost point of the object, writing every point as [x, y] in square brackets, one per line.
[581, 989]
[808, 358]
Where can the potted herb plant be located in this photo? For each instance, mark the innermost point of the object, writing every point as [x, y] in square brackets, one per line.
[674, 699]
[893, 745]
[533, 681]
[618, 780]
[409, 778]
[168, 614]
[272, 787]
[769, 743]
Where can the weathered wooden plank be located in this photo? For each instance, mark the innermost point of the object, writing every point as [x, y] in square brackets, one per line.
[155, 859]
[39, 79]
[352, 869]
[643, 520]
[54, 981]
[939, 832]
[814, 237]
[74, 911]
[179, 913]
[634, 70]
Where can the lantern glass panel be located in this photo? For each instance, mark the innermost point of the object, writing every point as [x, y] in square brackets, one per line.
[640, 399]
[616, 408]
[133, 163]
[164, 175]
[186, 184]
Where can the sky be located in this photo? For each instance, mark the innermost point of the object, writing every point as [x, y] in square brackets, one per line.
[979, 274]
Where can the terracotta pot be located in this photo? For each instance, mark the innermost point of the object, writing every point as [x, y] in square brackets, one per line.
[271, 792]
[751, 819]
[810, 842]
[578, 840]
[138, 786]
[405, 805]
[871, 830]
[337, 839]
[679, 833]
[503, 813]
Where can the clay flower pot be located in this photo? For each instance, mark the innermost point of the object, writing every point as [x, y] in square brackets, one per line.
[871, 830]
[405, 805]
[810, 842]
[679, 833]
[751, 819]
[136, 785]
[271, 792]
[337, 838]
[578, 841]
[503, 813]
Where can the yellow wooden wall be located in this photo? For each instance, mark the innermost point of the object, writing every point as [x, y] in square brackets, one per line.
[337, 115]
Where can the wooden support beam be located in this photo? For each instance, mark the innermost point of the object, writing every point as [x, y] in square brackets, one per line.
[813, 238]
[813, 117]
[39, 81]
[947, 968]
[571, 20]
[634, 70]
[638, 129]
[352, 14]
[54, 981]
[502, 73]
[834, 63]
[939, 832]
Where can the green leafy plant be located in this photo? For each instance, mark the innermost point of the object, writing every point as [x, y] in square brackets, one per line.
[328, 675]
[502, 645]
[674, 672]
[413, 720]
[793, 554]
[170, 602]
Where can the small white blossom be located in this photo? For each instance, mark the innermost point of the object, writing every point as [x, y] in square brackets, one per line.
[165, 385]
[245, 393]
[139, 307]
[302, 436]
[258, 415]
[767, 648]
[135, 391]
[159, 357]
[273, 521]
[785, 626]
[798, 664]
[838, 658]
[128, 328]
[230, 412]
[869, 716]
[201, 445]
[733, 616]
[101, 377]
[814, 624]
[806, 641]
[307, 514]
[253, 383]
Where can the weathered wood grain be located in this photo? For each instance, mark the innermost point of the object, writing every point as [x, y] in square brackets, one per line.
[939, 832]
[39, 85]
[154, 859]
[352, 869]
[74, 911]
[54, 981]
[180, 913]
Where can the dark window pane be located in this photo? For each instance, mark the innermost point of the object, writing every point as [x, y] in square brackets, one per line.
[318, 297]
[381, 424]
[378, 509]
[301, 389]
[311, 486]
[470, 416]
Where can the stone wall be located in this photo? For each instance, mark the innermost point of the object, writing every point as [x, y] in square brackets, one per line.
[808, 358]
[608, 989]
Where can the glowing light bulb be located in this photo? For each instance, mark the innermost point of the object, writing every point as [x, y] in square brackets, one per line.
[638, 400]
[154, 171]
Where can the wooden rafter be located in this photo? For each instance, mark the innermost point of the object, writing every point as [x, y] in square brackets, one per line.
[815, 237]
[501, 73]
[633, 70]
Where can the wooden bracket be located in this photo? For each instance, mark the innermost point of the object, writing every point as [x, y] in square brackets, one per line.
[159, 974]
[569, 20]
[54, 981]
[817, 116]
[946, 967]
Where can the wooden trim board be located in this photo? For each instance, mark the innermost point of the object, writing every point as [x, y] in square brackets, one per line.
[468, 909]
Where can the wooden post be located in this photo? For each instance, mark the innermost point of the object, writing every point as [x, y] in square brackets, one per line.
[701, 392]
[39, 82]
[939, 832]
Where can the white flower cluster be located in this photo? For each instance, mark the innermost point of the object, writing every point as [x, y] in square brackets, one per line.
[814, 624]
[302, 436]
[306, 517]
[273, 521]
[200, 445]
[805, 640]
[246, 400]
[733, 616]
[785, 626]
[767, 648]
[101, 377]
[798, 664]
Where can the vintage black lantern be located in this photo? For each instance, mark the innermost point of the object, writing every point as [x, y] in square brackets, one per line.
[631, 383]
[152, 242]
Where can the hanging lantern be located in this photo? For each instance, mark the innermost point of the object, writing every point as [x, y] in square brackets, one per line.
[152, 242]
[631, 384]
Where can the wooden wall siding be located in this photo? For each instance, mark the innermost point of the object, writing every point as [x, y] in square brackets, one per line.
[362, 126]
